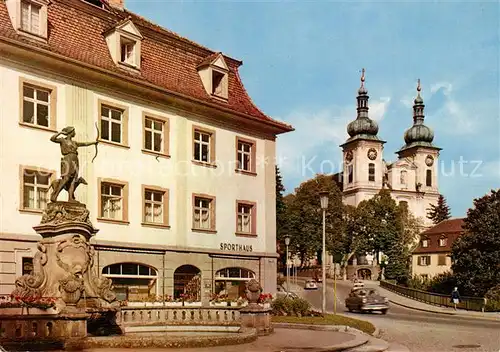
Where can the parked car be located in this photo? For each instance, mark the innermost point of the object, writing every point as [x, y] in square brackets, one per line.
[310, 285]
[358, 284]
[366, 300]
[282, 292]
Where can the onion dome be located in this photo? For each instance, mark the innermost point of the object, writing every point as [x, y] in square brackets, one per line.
[418, 134]
[363, 126]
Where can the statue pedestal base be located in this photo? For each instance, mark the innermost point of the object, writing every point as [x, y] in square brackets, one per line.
[257, 317]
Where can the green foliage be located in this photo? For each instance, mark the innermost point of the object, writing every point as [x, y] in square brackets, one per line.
[439, 212]
[290, 306]
[493, 299]
[329, 319]
[280, 207]
[304, 216]
[418, 283]
[476, 254]
[442, 283]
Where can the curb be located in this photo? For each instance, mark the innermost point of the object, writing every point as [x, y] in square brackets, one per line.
[445, 313]
[359, 336]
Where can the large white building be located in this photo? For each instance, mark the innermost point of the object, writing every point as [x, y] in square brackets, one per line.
[184, 180]
[412, 178]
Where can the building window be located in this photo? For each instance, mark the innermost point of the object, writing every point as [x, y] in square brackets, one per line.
[131, 281]
[371, 172]
[425, 243]
[350, 174]
[219, 84]
[245, 155]
[36, 105]
[187, 283]
[203, 145]
[113, 200]
[35, 189]
[443, 241]
[31, 17]
[424, 260]
[155, 205]
[127, 51]
[231, 282]
[203, 213]
[155, 135]
[27, 263]
[111, 124]
[403, 178]
[246, 218]
[428, 178]
[442, 260]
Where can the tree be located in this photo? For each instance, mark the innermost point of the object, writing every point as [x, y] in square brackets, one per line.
[304, 215]
[280, 207]
[439, 212]
[476, 254]
[281, 217]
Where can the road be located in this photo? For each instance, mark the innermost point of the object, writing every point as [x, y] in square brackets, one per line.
[419, 331]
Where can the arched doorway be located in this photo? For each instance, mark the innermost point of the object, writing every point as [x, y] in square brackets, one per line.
[187, 282]
[132, 282]
[231, 282]
[364, 274]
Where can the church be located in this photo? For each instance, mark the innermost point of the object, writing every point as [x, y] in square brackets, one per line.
[412, 178]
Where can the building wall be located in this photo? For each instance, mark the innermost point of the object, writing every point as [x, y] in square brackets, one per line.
[433, 268]
[78, 105]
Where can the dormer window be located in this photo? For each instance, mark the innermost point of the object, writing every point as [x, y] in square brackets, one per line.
[127, 52]
[214, 74]
[29, 17]
[425, 243]
[443, 241]
[124, 44]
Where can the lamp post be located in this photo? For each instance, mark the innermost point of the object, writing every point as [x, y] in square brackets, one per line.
[323, 196]
[287, 243]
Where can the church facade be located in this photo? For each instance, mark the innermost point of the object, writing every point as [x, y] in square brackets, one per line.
[412, 178]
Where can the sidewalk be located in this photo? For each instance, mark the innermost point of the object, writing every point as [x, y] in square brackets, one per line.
[413, 304]
[281, 340]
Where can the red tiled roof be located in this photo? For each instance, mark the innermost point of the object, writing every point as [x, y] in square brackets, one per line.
[451, 229]
[168, 60]
[446, 226]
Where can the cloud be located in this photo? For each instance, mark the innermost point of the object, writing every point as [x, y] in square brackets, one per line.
[445, 86]
[319, 133]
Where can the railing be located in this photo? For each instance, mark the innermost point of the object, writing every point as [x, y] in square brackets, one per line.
[147, 316]
[468, 303]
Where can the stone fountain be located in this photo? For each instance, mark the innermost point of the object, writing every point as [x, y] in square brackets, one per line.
[63, 267]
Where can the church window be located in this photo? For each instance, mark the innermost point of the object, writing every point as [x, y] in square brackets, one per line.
[371, 172]
[402, 177]
[428, 178]
[350, 174]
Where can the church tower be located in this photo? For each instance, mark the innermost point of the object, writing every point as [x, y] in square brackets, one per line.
[423, 154]
[362, 154]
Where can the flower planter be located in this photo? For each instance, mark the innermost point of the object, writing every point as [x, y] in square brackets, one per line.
[192, 304]
[218, 304]
[267, 305]
[234, 304]
[27, 311]
[173, 304]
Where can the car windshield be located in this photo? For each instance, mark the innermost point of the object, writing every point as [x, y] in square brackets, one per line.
[360, 292]
[373, 293]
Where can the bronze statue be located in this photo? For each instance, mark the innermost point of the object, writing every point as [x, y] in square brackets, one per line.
[69, 164]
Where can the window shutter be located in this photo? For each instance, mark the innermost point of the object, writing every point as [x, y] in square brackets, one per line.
[428, 260]
[35, 19]
[420, 261]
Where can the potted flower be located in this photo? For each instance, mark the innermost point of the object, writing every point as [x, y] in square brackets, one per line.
[265, 299]
[34, 304]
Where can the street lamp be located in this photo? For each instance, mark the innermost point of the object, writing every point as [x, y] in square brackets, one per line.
[287, 243]
[323, 196]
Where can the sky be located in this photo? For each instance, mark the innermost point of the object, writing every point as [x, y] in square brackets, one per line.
[302, 62]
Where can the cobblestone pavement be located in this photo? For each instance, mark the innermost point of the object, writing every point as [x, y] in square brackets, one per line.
[419, 331]
[283, 340]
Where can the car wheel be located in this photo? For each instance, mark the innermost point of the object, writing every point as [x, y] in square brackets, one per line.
[384, 311]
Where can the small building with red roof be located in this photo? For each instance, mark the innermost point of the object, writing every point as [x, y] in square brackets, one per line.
[432, 256]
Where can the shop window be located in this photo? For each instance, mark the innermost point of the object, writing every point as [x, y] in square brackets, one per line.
[131, 281]
[187, 283]
[231, 282]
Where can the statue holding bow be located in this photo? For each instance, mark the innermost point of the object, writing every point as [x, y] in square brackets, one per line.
[69, 163]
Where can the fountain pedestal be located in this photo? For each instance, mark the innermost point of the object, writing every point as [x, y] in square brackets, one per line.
[64, 273]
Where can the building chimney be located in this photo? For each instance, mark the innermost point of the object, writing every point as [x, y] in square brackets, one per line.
[119, 4]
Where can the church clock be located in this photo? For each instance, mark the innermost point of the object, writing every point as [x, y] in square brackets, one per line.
[372, 154]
